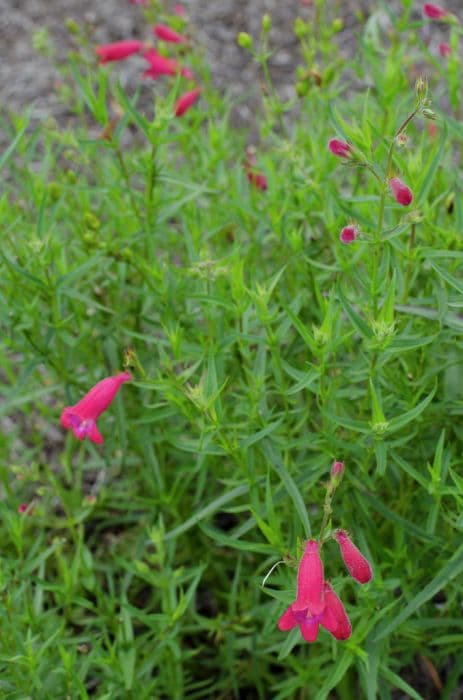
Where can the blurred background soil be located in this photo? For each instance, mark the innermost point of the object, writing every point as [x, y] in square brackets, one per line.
[27, 78]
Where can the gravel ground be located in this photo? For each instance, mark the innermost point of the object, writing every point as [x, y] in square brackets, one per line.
[28, 79]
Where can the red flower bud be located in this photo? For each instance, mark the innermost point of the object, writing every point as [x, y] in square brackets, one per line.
[339, 148]
[118, 51]
[348, 234]
[186, 101]
[257, 179]
[445, 50]
[165, 33]
[402, 194]
[434, 11]
[356, 564]
[337, 468]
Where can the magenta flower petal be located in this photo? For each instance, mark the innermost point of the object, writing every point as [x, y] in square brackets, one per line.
[118, 51]
[310, 580]
[445, 50]
[309, 629]
[288, 620]
[334, 617]
[356, 564]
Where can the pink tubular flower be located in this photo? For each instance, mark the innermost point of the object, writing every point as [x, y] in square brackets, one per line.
[186, 101]
[81, 418]
[179, 10]
[402, 194]
[310, 581]
[356, 564]
[337, 468]
[339, 148]
[348, 234]
[257, 179]
[333, 617]
[118, 51]
[165, 33]
[434, 11]
[160, 65]
[445, 50]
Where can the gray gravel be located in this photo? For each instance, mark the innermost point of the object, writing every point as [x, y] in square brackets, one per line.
[27, 78]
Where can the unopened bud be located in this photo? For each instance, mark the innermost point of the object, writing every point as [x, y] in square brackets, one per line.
[421, 88]
[337, 468]
[337, 25]
[266, 22]
[245, 40]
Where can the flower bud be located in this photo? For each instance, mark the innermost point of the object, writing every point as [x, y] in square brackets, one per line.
[356, 564]
[429, 114]
[339, 148]
[401, 193]
[348, 234]
[266, 22]
[445, 50]
[337, 469]
[245, 40]
[434, 11]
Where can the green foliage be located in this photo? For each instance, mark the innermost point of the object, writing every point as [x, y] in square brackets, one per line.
[262, 349]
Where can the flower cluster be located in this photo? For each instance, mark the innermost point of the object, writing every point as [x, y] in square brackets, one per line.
[158, 64]
[316, 602]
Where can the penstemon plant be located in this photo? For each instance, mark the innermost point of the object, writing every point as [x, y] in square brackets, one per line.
[194, 327]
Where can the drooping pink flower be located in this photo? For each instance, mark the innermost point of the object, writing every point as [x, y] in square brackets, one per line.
[118, 51]
[445, 50]
[24, 508]
[161, 65]
[257, 179]
[339, 148]
[348, 234]
[186, 101]
[81, 418]
[180, 10]
[165, 33]
[337, 468]
[332, 617]
[402, 194]
[434, 11]
[310, 580]
[356, 564]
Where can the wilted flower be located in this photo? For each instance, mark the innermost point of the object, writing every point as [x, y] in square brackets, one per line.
[402, 194]
[81, 418]
[165, 33]
[356, 564]
[339, 148]
[332, 617]
[348, 234]
[186, 101]
[118, 51]
[434, 11]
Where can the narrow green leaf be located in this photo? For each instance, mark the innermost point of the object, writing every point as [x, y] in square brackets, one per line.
[450, 570]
